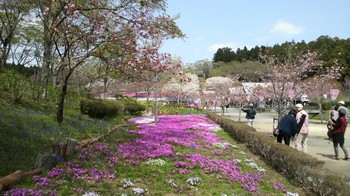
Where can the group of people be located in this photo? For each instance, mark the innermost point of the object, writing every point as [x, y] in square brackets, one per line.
[337, 123]
[296, 125]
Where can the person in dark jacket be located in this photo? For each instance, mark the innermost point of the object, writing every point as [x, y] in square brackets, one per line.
[250, 116]
[287, 127]
[338, 132]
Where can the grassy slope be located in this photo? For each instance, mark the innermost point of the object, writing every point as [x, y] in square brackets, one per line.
[247, 69]
[24, 132]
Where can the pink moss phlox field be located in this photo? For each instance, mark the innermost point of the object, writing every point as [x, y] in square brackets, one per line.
[154, 141]
[228, 168]
[186, 130]
[177, 129]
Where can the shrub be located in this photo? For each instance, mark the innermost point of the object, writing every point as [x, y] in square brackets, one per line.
[129, 99]
[119, 95]
[134, 108]
[101, 108]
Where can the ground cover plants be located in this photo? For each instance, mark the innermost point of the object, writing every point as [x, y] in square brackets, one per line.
[180, 155]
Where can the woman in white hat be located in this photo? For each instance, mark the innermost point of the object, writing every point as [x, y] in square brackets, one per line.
[302, 115]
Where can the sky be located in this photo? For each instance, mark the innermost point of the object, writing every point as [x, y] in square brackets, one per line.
[213, 24]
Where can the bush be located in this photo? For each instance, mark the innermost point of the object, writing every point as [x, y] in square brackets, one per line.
[129, 99]
[134, 108]
[101, 108]
[119, 95]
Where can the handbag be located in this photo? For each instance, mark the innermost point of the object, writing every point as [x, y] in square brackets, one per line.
[275, 132]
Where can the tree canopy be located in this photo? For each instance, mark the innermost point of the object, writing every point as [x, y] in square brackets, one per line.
[333, 51]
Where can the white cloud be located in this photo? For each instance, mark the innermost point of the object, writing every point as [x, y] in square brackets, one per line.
[286, 28]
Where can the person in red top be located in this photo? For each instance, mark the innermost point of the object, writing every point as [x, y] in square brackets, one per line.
[338, 132]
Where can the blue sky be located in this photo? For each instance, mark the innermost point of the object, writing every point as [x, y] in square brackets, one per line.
[213, 24]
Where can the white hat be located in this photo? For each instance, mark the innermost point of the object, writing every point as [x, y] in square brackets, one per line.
[250, 105]
[341, 102]
[299, 105]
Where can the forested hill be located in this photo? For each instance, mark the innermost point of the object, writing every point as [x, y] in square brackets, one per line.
[330, 50]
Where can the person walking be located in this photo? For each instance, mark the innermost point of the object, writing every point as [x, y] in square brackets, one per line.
[287, 127]
[338, 134]
[341, 104]
[222, 106]
[301, 140]
[250, 116]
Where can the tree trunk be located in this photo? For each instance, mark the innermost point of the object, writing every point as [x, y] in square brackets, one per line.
[4, 54]
[62, 96]
[45, 160]
[105, 87]
[45, 74]
[60, 104]
[148, 101]
[60, 150]
[156, 101]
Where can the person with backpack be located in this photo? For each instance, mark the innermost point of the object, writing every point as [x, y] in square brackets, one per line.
[250, 114]
[287, 127]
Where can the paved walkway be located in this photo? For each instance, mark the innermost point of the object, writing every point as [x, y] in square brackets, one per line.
[318, 144]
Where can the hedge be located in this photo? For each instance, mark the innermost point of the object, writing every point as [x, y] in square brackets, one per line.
[101, 108]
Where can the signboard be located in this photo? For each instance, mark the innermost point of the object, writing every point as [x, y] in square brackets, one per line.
[334, 93]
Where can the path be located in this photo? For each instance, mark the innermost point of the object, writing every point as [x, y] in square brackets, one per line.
[318, 144]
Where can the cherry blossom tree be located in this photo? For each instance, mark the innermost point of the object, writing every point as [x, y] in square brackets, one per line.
[221, 86]
[151, 77]
[127, 34]
[317, 87]
[260, 93]
[287, 74]
[180, 89]
[239, 96]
